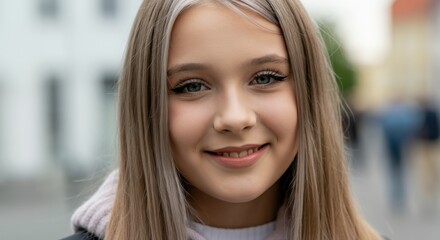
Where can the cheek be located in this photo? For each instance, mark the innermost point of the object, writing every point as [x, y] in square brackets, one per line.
[278, 113]
[188, 123]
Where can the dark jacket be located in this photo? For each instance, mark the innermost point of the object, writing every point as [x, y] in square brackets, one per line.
[81, 235]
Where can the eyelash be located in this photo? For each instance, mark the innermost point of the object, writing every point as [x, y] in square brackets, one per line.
[273, 74]
[181, 88]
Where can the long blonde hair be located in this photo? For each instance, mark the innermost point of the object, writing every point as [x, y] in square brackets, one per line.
[150, 200]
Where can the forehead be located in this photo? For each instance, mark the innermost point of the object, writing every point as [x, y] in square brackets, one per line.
[211, 32]
[213, 11]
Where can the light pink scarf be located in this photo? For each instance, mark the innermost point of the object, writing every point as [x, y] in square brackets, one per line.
[94, 214]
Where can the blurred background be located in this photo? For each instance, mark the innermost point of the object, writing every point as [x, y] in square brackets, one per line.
[59, 62]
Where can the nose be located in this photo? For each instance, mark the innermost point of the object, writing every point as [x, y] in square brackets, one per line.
[234, 114]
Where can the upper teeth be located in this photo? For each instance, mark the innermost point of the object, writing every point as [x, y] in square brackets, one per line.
[241, 154]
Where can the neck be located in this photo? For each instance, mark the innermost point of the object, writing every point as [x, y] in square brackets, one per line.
[216, 213]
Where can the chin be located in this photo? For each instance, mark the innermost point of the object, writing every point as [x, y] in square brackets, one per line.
[240, 196]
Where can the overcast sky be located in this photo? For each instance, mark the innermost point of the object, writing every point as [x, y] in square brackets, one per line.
[363, 25]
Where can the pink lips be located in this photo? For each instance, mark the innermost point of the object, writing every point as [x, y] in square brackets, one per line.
[238, 162]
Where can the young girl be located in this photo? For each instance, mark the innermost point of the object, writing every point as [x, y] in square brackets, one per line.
[229, 129]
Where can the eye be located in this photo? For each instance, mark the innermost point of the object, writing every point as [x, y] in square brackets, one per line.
[267, 78]
[190, 87]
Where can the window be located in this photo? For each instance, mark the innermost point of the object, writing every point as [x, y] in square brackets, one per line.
[109, 115]
[109, 83]
[54, 106]
[49, 8]
[109, 8]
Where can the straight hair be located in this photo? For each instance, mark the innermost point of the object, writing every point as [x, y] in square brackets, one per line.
[150, 201]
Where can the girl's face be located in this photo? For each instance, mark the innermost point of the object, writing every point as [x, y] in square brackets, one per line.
[232, 110]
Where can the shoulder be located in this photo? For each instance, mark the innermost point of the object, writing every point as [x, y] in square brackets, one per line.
[81, 235]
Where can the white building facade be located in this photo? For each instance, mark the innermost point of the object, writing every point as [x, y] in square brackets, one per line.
[59, 61]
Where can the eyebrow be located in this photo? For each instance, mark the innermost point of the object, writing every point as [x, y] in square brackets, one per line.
[272, 58]
[186, 67]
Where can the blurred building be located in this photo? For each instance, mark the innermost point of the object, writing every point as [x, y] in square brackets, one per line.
[415, 53]
[59, 61]
[412, 69]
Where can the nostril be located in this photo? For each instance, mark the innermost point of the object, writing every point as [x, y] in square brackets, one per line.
[234, 119]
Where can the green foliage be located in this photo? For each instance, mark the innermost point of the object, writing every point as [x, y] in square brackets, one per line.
[344, 70]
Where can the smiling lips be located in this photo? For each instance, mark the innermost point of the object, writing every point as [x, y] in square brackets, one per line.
[238, 152]
[238, 157]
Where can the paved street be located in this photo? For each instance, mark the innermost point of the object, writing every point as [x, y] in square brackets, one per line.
[371, 189]
[41, 209]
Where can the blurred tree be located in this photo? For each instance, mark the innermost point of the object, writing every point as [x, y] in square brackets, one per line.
[344, 70]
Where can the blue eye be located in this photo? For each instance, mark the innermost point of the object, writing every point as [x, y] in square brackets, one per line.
[191, 86]
[267, 78]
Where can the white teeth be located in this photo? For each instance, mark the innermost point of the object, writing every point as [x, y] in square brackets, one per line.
[239, 154]
[243, 153]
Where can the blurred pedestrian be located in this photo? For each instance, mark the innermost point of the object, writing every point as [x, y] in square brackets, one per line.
[428, 136]
[399, 121]
[351, 122]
